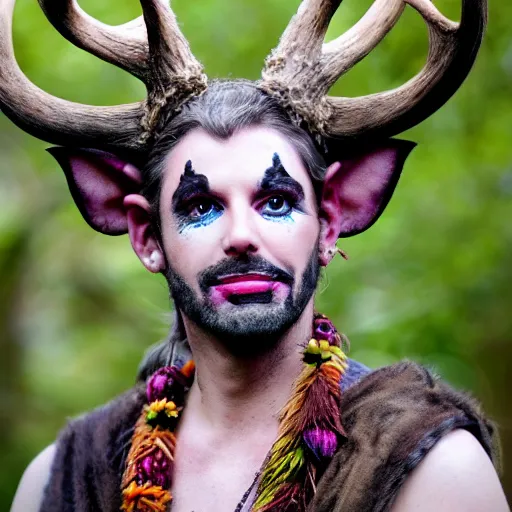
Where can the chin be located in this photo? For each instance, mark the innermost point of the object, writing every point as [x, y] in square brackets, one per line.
[250, 320]
[246, 323]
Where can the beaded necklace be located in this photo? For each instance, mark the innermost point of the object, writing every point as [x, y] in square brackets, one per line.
[309, 434]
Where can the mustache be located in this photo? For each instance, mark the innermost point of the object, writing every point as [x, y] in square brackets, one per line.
[249, 265]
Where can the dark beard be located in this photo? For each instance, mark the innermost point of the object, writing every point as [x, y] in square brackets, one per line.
[251, 328]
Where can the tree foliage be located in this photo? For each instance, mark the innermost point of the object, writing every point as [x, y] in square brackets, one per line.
[429, 282]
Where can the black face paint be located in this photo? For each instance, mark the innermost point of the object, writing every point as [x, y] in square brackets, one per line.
[192, 193]
[277, 179]
[191, 184]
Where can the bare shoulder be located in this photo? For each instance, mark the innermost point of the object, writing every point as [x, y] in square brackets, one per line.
[29, 494]
[456, 475]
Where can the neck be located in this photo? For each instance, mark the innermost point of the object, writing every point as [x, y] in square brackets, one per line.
[230, 391]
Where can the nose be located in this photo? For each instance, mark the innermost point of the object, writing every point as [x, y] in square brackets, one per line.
[241, 237]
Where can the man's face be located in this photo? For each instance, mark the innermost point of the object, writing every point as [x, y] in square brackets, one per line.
[240, 232]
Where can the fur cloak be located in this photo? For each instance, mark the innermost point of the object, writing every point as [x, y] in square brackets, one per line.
[393, 416]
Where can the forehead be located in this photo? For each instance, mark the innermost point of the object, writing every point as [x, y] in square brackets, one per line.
[239, 160]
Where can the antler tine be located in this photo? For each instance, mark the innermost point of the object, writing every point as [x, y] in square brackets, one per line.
[175, 74]
[150, 47]
[124, 46]
[339, 55]
[170, 52]
[56, 120]
[301, 70]
[452, 51]
[304, 35]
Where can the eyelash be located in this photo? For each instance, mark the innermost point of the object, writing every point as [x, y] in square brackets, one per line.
[186, 217]
[288, 200]
[215, 209]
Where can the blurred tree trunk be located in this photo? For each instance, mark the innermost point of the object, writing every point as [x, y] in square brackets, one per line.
[12, 396]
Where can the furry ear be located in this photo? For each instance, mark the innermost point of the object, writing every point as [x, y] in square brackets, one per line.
[99, 182]
[357, 189]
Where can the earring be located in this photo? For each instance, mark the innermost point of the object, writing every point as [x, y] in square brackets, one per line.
[331, 252]
[342, 253]
[154, 259]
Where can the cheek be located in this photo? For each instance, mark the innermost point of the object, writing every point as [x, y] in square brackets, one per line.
[292, 239]
[189, 251]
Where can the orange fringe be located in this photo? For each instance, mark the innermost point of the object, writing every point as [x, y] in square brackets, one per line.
[145, 498]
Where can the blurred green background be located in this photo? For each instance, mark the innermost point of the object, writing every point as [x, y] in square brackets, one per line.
[430, 282]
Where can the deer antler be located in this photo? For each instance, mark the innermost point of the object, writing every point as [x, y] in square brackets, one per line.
[125, 46]
[159, 56]
[53, 119]
[301, 71]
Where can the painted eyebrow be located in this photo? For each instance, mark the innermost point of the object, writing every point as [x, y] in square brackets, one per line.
[277, 178]
[190, 185]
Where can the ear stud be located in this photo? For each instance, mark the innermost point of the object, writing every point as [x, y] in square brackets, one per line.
[154, 260]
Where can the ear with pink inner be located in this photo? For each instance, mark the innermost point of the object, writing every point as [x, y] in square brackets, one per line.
[357, 189]
[99, 182]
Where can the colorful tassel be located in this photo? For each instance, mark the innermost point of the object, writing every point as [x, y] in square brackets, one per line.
[310, 432]
[148, 474]
[310, 426]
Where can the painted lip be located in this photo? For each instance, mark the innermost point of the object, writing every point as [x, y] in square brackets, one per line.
[242, 278]
[238, 285]
[229, 286]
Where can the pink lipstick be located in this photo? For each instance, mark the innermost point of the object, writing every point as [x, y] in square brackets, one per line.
[246, 284]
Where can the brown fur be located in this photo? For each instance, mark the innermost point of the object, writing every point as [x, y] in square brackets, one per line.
[393, 417]
[89, 463]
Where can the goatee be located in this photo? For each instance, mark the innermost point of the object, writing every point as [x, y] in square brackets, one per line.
[253, 326]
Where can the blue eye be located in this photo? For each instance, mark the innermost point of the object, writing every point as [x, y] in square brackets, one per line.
[277, 206]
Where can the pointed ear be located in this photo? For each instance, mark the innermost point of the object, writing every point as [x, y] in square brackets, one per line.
[357, 189]
[99, 182]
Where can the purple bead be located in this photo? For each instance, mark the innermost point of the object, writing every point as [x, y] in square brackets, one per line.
[147, 464]
[325, 330]
[322, 442]
[161, 480]
[154, 469]
[167, 382]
